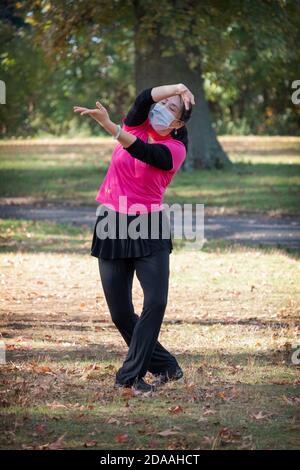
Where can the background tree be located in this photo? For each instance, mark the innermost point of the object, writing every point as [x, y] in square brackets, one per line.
[238, 58]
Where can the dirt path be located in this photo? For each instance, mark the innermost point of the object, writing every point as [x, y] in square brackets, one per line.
[248, 228]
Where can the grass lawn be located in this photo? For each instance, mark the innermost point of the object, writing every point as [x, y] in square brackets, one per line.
[232, 318]
[232, 321]
[265, 177]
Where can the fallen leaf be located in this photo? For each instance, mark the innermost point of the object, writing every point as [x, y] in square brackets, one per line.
[58, 444]
[175, 409]
[209, 412]
[113, 421]
[121, 437]
[167, 432]
[222, 395]
[90, 444]
[40, 428]
[228, 435]
[291, 400]
[260, 416]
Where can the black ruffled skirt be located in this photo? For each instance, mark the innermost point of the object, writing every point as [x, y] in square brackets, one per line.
[112, 237]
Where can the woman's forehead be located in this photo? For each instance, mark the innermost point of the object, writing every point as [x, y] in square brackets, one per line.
[174, 103]
[174, 100]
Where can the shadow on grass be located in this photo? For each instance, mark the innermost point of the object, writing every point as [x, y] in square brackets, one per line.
[245, 185]
[74, 246]
[267, 153]
[43, 247]
[102, 420]
[43, 406]
[54, 183]
[23, 324]
[104, 352]
[228, 246]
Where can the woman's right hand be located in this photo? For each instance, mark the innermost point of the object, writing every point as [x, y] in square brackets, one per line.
[185, 94]
[100, 113]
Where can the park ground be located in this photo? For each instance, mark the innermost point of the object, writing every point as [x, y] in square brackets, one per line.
[232, 318]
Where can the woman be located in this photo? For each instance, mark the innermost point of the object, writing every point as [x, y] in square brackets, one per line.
[152, 147]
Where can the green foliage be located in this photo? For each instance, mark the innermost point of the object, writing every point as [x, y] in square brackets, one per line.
[56, 54]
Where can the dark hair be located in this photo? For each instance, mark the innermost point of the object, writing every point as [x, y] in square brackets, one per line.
[182, 133]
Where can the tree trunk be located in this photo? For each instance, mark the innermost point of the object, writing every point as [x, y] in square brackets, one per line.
[152, 69]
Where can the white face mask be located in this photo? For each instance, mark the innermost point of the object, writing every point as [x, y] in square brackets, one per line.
[160, 117]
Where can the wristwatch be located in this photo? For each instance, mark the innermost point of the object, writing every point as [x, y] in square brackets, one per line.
[119, 132]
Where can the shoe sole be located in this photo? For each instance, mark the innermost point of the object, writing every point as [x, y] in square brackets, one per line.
[121, 386]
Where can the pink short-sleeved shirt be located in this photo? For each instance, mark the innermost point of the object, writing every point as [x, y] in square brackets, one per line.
[140, 182]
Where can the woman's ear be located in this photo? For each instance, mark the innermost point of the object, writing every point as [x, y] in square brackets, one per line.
[179, 124]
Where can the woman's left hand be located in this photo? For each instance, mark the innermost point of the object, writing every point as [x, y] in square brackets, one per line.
[100, 113]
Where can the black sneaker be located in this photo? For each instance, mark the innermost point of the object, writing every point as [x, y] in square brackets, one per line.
[168, 376]
[143, 386]
[138, 384]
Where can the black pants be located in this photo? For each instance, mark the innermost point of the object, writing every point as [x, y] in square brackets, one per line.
[139, 332]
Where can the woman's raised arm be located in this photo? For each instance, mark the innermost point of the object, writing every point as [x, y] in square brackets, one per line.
[139, 111]
[165, 91]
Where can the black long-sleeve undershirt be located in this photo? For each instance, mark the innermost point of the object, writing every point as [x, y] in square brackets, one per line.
[157, 155]
[139, 111]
